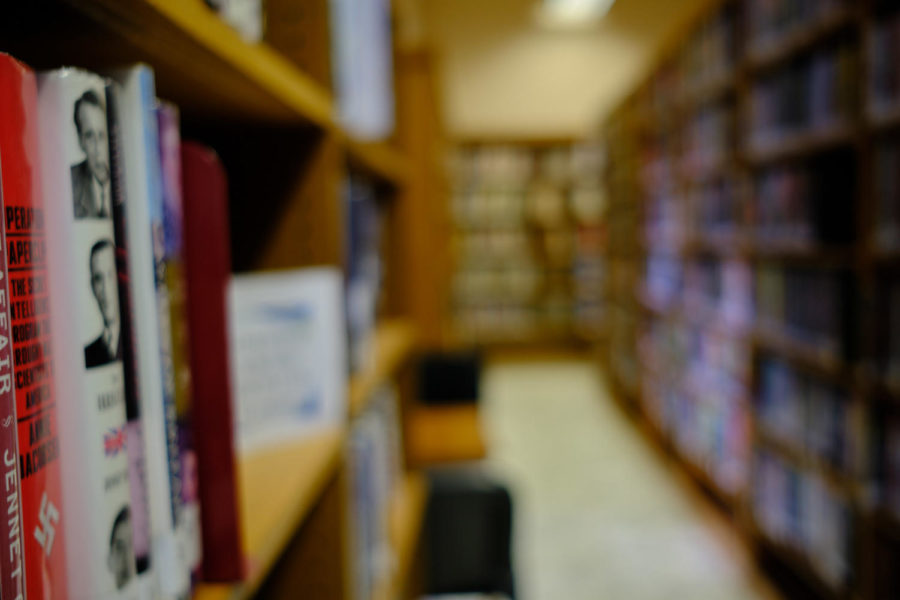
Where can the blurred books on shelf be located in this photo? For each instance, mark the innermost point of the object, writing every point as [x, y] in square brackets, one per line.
[528, 235]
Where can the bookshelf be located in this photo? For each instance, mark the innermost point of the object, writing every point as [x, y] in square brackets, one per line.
[268, 111]
[759, 276]
[527, 239]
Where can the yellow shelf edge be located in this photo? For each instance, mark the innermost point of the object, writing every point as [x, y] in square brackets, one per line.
[378, 158]
[283, 84]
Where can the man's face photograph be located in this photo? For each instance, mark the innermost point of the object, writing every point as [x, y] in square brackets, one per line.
[104, 283]
[119, 560]
[93, 139]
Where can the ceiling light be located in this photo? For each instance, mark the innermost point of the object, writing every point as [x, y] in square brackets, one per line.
[572, 13]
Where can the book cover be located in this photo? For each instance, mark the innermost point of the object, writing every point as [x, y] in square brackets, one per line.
[208, 270]
[36, 422]
[173, 224]
[147, 275]
[86, 341]
[134, 433]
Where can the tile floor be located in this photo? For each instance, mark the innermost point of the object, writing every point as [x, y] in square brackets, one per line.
[599, 514]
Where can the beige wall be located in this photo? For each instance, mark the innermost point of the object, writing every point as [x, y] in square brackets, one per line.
[502, 76]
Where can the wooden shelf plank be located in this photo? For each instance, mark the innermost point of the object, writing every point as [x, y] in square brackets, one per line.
[763, 56]
[440, 434]
[801, 144]
[207, 65]
[393, 345]
[278, 488]
[407, 513]
[379, 159]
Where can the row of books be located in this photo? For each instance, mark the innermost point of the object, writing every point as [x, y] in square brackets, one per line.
[800, 510]
[809, 305]
[884, 75]
[694, 390]
[537, 204]
[709, 54]
[514, 321]
[815, 94]
[717, 208]
[807, 204]
[505, 166]
[815, 417]
[773, 21]
[363, 266]
[375, 463]
[887, 193]
[100, 466]
[708, 139]
[890, 467]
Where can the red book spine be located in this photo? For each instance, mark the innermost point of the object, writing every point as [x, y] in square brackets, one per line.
[28, 289]
[208, 270]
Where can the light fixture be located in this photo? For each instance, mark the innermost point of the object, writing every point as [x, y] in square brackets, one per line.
[572, 13]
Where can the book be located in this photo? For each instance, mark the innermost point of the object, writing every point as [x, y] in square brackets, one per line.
[27, 411]
[173, 225]
[208, 271]
[144, 227]
[288, 353]
[85, 320]
[134, 432]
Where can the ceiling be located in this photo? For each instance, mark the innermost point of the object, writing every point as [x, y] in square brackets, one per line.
[503, 77]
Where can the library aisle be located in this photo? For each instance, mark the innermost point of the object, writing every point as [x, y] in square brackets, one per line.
[598, 513]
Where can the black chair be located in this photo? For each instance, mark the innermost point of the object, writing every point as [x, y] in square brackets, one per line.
[468, 533]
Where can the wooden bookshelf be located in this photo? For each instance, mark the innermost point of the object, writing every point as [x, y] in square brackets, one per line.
[378, 159]
[225, 76]
[392, 345]
[803, 38]
[262, 113]
[278, 487]
[656, 125]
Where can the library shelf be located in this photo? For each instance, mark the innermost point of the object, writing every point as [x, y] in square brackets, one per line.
[881, 119]
[801, 144]
[764, 56]
[724, 245]
[278, 488]
[407, 513]
[707, 91]
[817, 359]
[789, 451]
[378, 159]
[730, 501]
[228, 76]
[393, 344]
[444, 433]
[806, 253]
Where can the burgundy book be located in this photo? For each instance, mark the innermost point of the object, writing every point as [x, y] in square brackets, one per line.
[208, 269]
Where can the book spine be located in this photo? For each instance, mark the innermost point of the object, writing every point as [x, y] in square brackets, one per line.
[43, 538]
[173, 221]
[137, 473]
[208, 269]
[86, 341]
[137, 106]
[12, 570]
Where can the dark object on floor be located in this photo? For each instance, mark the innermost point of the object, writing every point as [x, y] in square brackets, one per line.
[468, 533]
[449, 378]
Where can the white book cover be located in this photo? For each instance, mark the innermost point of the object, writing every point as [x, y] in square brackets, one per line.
[150, 304]
[288, 354]
[85, 319]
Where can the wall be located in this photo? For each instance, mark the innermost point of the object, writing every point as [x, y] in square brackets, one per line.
[503, 76]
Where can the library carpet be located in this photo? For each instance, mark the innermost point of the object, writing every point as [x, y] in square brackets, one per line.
[598, 513]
